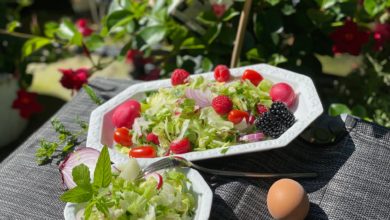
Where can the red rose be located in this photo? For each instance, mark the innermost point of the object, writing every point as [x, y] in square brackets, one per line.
[348, 38]
[152, 75]
[74, 79]
[219, 9]
[82, 26]
[381, 35]
[27, 104]
[133, 55]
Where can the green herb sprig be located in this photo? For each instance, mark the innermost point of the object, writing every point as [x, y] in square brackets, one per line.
[66, 138]
[85, 191]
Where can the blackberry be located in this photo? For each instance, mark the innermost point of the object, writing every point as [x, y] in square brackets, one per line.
[276, 121]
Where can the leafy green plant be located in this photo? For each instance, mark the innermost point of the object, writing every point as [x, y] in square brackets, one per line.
[156, 38]
[67, 140]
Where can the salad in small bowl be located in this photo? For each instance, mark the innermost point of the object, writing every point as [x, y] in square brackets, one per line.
[103, 191]
[225, 112]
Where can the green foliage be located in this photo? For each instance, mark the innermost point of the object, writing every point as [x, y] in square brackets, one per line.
[65, 139]
[288, 34]
[92, 95]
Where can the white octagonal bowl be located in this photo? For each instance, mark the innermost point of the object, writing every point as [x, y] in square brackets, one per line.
[308, 108]
[202, 193]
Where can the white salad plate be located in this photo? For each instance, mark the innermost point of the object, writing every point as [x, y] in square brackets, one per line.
[307, 109]
[201, 191]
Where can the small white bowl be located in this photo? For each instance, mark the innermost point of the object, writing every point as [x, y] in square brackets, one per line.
[202, 193]
[307, 109]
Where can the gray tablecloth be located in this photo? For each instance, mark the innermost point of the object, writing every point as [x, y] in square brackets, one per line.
[354, 181]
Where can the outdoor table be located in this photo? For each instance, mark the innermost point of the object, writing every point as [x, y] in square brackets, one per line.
[353, 181]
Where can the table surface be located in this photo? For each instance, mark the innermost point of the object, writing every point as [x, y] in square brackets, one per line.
[353, 182]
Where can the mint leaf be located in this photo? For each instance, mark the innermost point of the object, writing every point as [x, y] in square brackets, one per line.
[88, 209]
[81, 175]
[102, 176]
[77, 195]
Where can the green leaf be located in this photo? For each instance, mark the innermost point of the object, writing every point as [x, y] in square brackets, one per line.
[45, 151]
[94, 42]
[68, 31]
[88, 210]
[81, 175]
[337, 109]
[153, 34]
[25, 3]
[12, 26]
[207, 18]
[102, 176]
[273, 2]
[318, 17]
[212, 33]
[255, 54]
[277, 59]
[77, 195]
[325, 4]
[192, 43]
[374, 7]
[50, 29]
[288, 10]
[118, 18]
[230, 14]
[33, 45]
[92, 95]
[360, 111]
[206, 64]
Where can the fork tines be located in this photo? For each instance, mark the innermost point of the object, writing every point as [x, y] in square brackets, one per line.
[160, 165]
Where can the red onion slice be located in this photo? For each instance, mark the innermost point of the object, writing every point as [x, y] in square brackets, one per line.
[87, 156]
[252, 137]
[157, 177]
[202, 98]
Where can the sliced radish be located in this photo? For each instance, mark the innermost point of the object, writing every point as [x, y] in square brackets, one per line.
[87, 156]
[252, 137]
[157, 177]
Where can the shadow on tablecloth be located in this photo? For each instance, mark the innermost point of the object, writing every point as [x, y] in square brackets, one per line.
[353, 179]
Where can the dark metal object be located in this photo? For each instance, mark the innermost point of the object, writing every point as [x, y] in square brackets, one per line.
[324, 131]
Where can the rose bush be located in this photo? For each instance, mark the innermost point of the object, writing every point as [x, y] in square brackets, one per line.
[160, 36]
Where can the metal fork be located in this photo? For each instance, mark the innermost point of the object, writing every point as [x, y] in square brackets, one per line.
[175, 161]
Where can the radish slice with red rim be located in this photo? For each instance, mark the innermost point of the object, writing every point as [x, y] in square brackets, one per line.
[157, 177]
[87, 156]
[252, 137]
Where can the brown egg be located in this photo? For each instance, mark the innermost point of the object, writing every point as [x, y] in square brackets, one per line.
[287, 200]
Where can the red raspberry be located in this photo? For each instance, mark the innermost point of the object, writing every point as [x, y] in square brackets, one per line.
[222, 104]
[180, 146]
[221, 73]
[152, 138]
[261, 109]
[179, 76]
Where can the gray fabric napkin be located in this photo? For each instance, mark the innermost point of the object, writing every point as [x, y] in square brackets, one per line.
[353, 182]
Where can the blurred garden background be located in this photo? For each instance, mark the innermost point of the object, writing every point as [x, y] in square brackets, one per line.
[50, 49]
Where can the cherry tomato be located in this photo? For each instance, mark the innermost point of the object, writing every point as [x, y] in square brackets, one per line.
[252, 76]
[236, 116]
[143, 152]
[122, 136]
